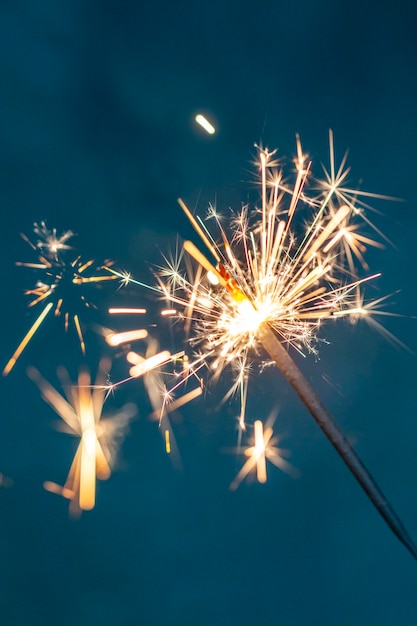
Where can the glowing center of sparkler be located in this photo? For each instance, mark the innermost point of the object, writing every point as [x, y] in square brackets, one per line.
[248, 319]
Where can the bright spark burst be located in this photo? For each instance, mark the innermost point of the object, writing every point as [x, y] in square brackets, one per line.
[264, 448]
[265, 267]
[62, 285]
[81, 410]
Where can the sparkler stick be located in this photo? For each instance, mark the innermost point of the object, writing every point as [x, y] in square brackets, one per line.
[273, 291]
[272, 285]
[336, 437]
[319, 412]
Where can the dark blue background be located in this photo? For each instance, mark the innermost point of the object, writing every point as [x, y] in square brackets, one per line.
[97, 135]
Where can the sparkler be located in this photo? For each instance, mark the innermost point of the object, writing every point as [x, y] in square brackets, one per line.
[61, 286]
[264, 287]
[81, 410]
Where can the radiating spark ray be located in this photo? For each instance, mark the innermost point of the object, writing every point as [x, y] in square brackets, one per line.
[126, 310]
[79, 333]
[22, 345]
[151, 363]
[60, 491]
[116, 339]
[200, 232]
[327, 230]
[200, 258]
[128, 279]
[173, 405]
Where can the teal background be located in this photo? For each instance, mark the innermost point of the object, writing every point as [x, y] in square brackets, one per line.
[97, 135]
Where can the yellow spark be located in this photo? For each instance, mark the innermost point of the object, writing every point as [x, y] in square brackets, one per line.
[264, 448]
[172, 405]
[205, 124]
[151, 363]
[125, 310]
[259, 449]
[167, 442]
[116, 339]
[81, 410]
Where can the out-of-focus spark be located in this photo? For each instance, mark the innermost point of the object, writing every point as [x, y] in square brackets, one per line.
[22, 345]
[263, 448]
[172, 405]
[205, 124]
[152, 362]
[155, 367]
[167, 442]
[81, 410]
[62, 285]
[116, 339]
[359, 310]
[49, 240]
[125, 310]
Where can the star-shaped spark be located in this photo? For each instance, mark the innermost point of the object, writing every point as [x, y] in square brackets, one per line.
[81, 411]
[62, 285]
[264, 448]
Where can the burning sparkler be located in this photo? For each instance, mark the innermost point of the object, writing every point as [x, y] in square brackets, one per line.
[81, 410]
[264, 286]
[61, 286]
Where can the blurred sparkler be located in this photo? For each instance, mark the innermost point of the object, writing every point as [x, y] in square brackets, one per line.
[81, 411]
[61, 286]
